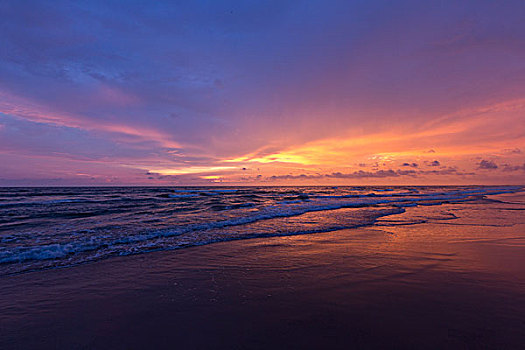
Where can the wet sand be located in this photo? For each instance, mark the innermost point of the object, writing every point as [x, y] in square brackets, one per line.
[448, 283]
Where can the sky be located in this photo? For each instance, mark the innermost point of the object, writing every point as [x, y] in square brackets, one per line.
[262, 92]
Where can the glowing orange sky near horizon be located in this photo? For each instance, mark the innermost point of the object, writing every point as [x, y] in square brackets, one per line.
[458, 143]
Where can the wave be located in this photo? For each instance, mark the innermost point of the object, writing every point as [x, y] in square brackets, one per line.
[46, 202]
[69, 249]
[181, 195]
[96, 244]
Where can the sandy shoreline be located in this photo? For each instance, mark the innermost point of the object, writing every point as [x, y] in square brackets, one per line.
[448, 284]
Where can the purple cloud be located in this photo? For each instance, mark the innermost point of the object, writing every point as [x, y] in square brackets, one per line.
[512, 168]
[487, 164]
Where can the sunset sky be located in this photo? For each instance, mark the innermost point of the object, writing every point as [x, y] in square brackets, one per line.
[262, 92]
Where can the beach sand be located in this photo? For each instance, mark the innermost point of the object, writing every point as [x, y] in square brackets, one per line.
[447, 283]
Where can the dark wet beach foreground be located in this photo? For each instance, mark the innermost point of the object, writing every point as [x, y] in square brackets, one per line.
[455, 281]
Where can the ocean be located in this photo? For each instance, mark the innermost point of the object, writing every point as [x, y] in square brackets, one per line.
[43, 228]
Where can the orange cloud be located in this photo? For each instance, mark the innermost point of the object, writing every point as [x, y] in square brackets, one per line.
[466, 133]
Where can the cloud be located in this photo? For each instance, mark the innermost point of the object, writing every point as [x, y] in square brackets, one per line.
[372, 174]
[512, 151]
[512, 168]
[413, 165]
[445, 171]
[435, 163]
[184, 179]
[487, 164]
[360, 174]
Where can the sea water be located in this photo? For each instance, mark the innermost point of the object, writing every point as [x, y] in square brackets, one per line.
[43, 228]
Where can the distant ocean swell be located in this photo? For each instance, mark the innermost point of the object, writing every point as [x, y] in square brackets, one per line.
[55, 227]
